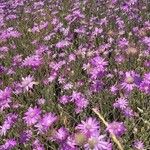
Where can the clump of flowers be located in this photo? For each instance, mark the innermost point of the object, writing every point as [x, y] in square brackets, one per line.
[59, 60]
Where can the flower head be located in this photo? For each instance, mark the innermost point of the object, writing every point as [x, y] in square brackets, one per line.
[33, 61]
[121, 103]
[61, 134]
[46, 122]
[27, 83]
[9, 144]
[89, 127]
[5, 98]
[8, 123]
[116, 128]
[32, 115]
[131, 80]
[98, 143]
[138, 145]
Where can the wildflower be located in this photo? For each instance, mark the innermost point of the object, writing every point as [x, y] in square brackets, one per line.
[89, 127]
[131, 80]
[17, 60]
[145, 87]
[33, 61]
[64, 99]
[98, 143]
[68, 86]
[123, 42]
[147, 77]
[119, 59]
[8, 123]
[32, 115]
[96, 86]
[80, 139]
[61, 134]
[46, 122]
[69, 144]
[37, 145]
[80, 101]
[25, 136]
[99, 63]
[138, 145]
[98, 67]
[128, 112]
[116, 128]
[27, 83]
[9, 144]
[5, 98]
[62, 44]
[41, 101]
[114, 89]
[121, 103]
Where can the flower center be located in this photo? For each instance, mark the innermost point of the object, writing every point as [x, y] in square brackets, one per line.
[129, 80]
[92, 143]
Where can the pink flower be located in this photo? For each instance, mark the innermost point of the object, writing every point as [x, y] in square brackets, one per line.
[27, 83]
[46, 122]
[32, 115]
[98, 142]
[5, 98]
[116, 128]
[33, 61]
[62, 44]
[89, 127]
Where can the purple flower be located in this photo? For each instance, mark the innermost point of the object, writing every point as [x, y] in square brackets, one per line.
[96, 86]
[80, 101]
[27, 83]
[8, 123]
[98, 67]
[17, 60]
[145, 87]
[114, 89]
[128, 112]
[64, 99]
[123, 42]
[5, 98]
[121, 103]
[25, 136]
[61, 134]
[89, 127]
[69, 144]
[147, 77]
[41, 101]
[46, 122]
[116, 128]
[33, 61]
[138, 145]
[37, 145]
[9, 144]
[145, 84]
[99, 63]
[98, 143]
[32, 115]
[131, 80]
[62, 44]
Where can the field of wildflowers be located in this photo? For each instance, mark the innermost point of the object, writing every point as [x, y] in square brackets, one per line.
[74, 75]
